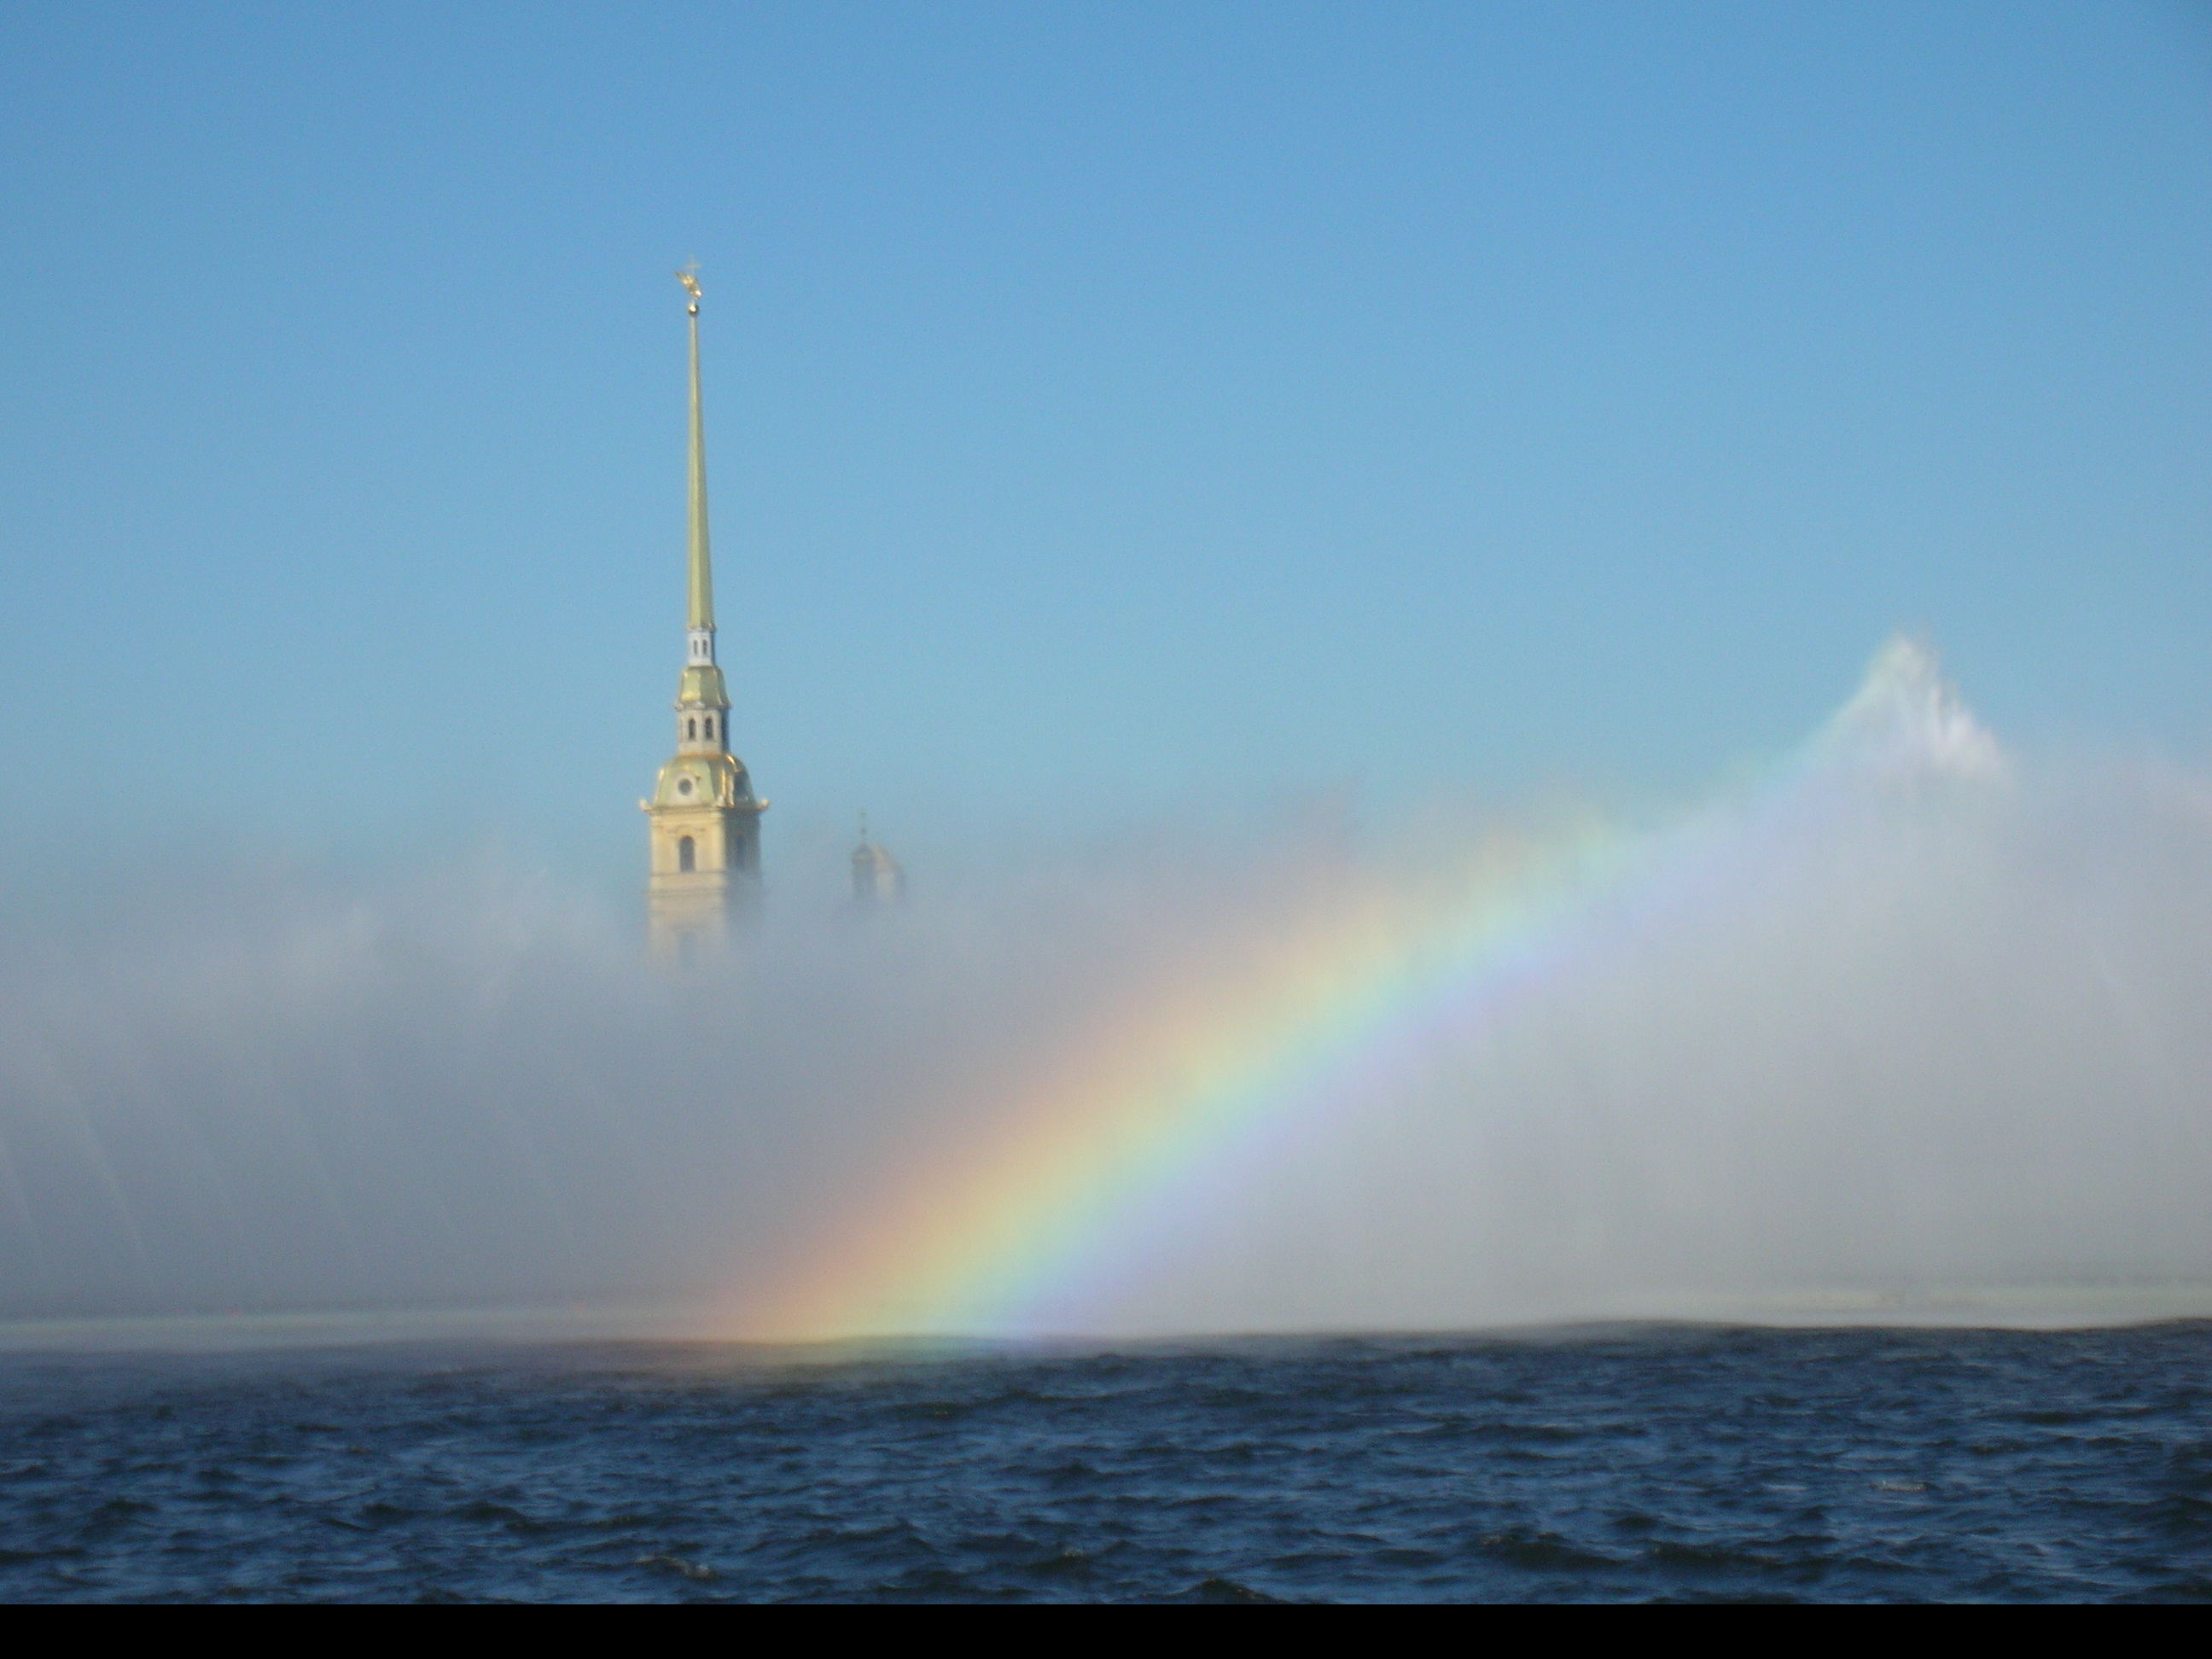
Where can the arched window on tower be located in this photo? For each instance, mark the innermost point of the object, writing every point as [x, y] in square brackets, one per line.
[710, 725]
[690, 728]
[687, 855]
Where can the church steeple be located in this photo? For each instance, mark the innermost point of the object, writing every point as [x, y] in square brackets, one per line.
[705, 823]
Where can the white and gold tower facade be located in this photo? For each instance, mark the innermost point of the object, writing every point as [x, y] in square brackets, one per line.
[703, 820]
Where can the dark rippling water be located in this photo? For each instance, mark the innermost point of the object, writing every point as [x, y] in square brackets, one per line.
[1615, 1465]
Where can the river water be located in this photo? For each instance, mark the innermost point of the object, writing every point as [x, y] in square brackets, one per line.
[1606, 1463]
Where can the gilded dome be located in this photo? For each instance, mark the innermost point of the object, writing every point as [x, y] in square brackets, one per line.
[703, 781]
[702, 685]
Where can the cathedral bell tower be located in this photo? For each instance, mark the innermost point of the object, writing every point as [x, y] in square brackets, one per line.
[703, 822]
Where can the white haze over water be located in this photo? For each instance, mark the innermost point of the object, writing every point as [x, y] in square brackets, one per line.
[1917, 1024]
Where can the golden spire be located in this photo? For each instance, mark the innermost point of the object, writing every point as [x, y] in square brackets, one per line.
[702, 607]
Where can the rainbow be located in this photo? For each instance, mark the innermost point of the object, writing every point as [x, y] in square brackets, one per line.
[1320, 1008]
[1316, 1010]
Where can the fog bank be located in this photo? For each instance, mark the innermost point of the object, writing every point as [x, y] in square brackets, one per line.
[1911, 1018]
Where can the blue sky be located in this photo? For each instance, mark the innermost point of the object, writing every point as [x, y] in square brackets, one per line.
[1116, 414]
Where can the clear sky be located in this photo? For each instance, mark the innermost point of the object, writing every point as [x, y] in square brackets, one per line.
[1114, 412]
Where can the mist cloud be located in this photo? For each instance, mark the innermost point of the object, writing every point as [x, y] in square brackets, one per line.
[1913, 1017]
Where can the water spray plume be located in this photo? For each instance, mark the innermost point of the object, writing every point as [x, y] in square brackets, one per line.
[1914, 1029]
